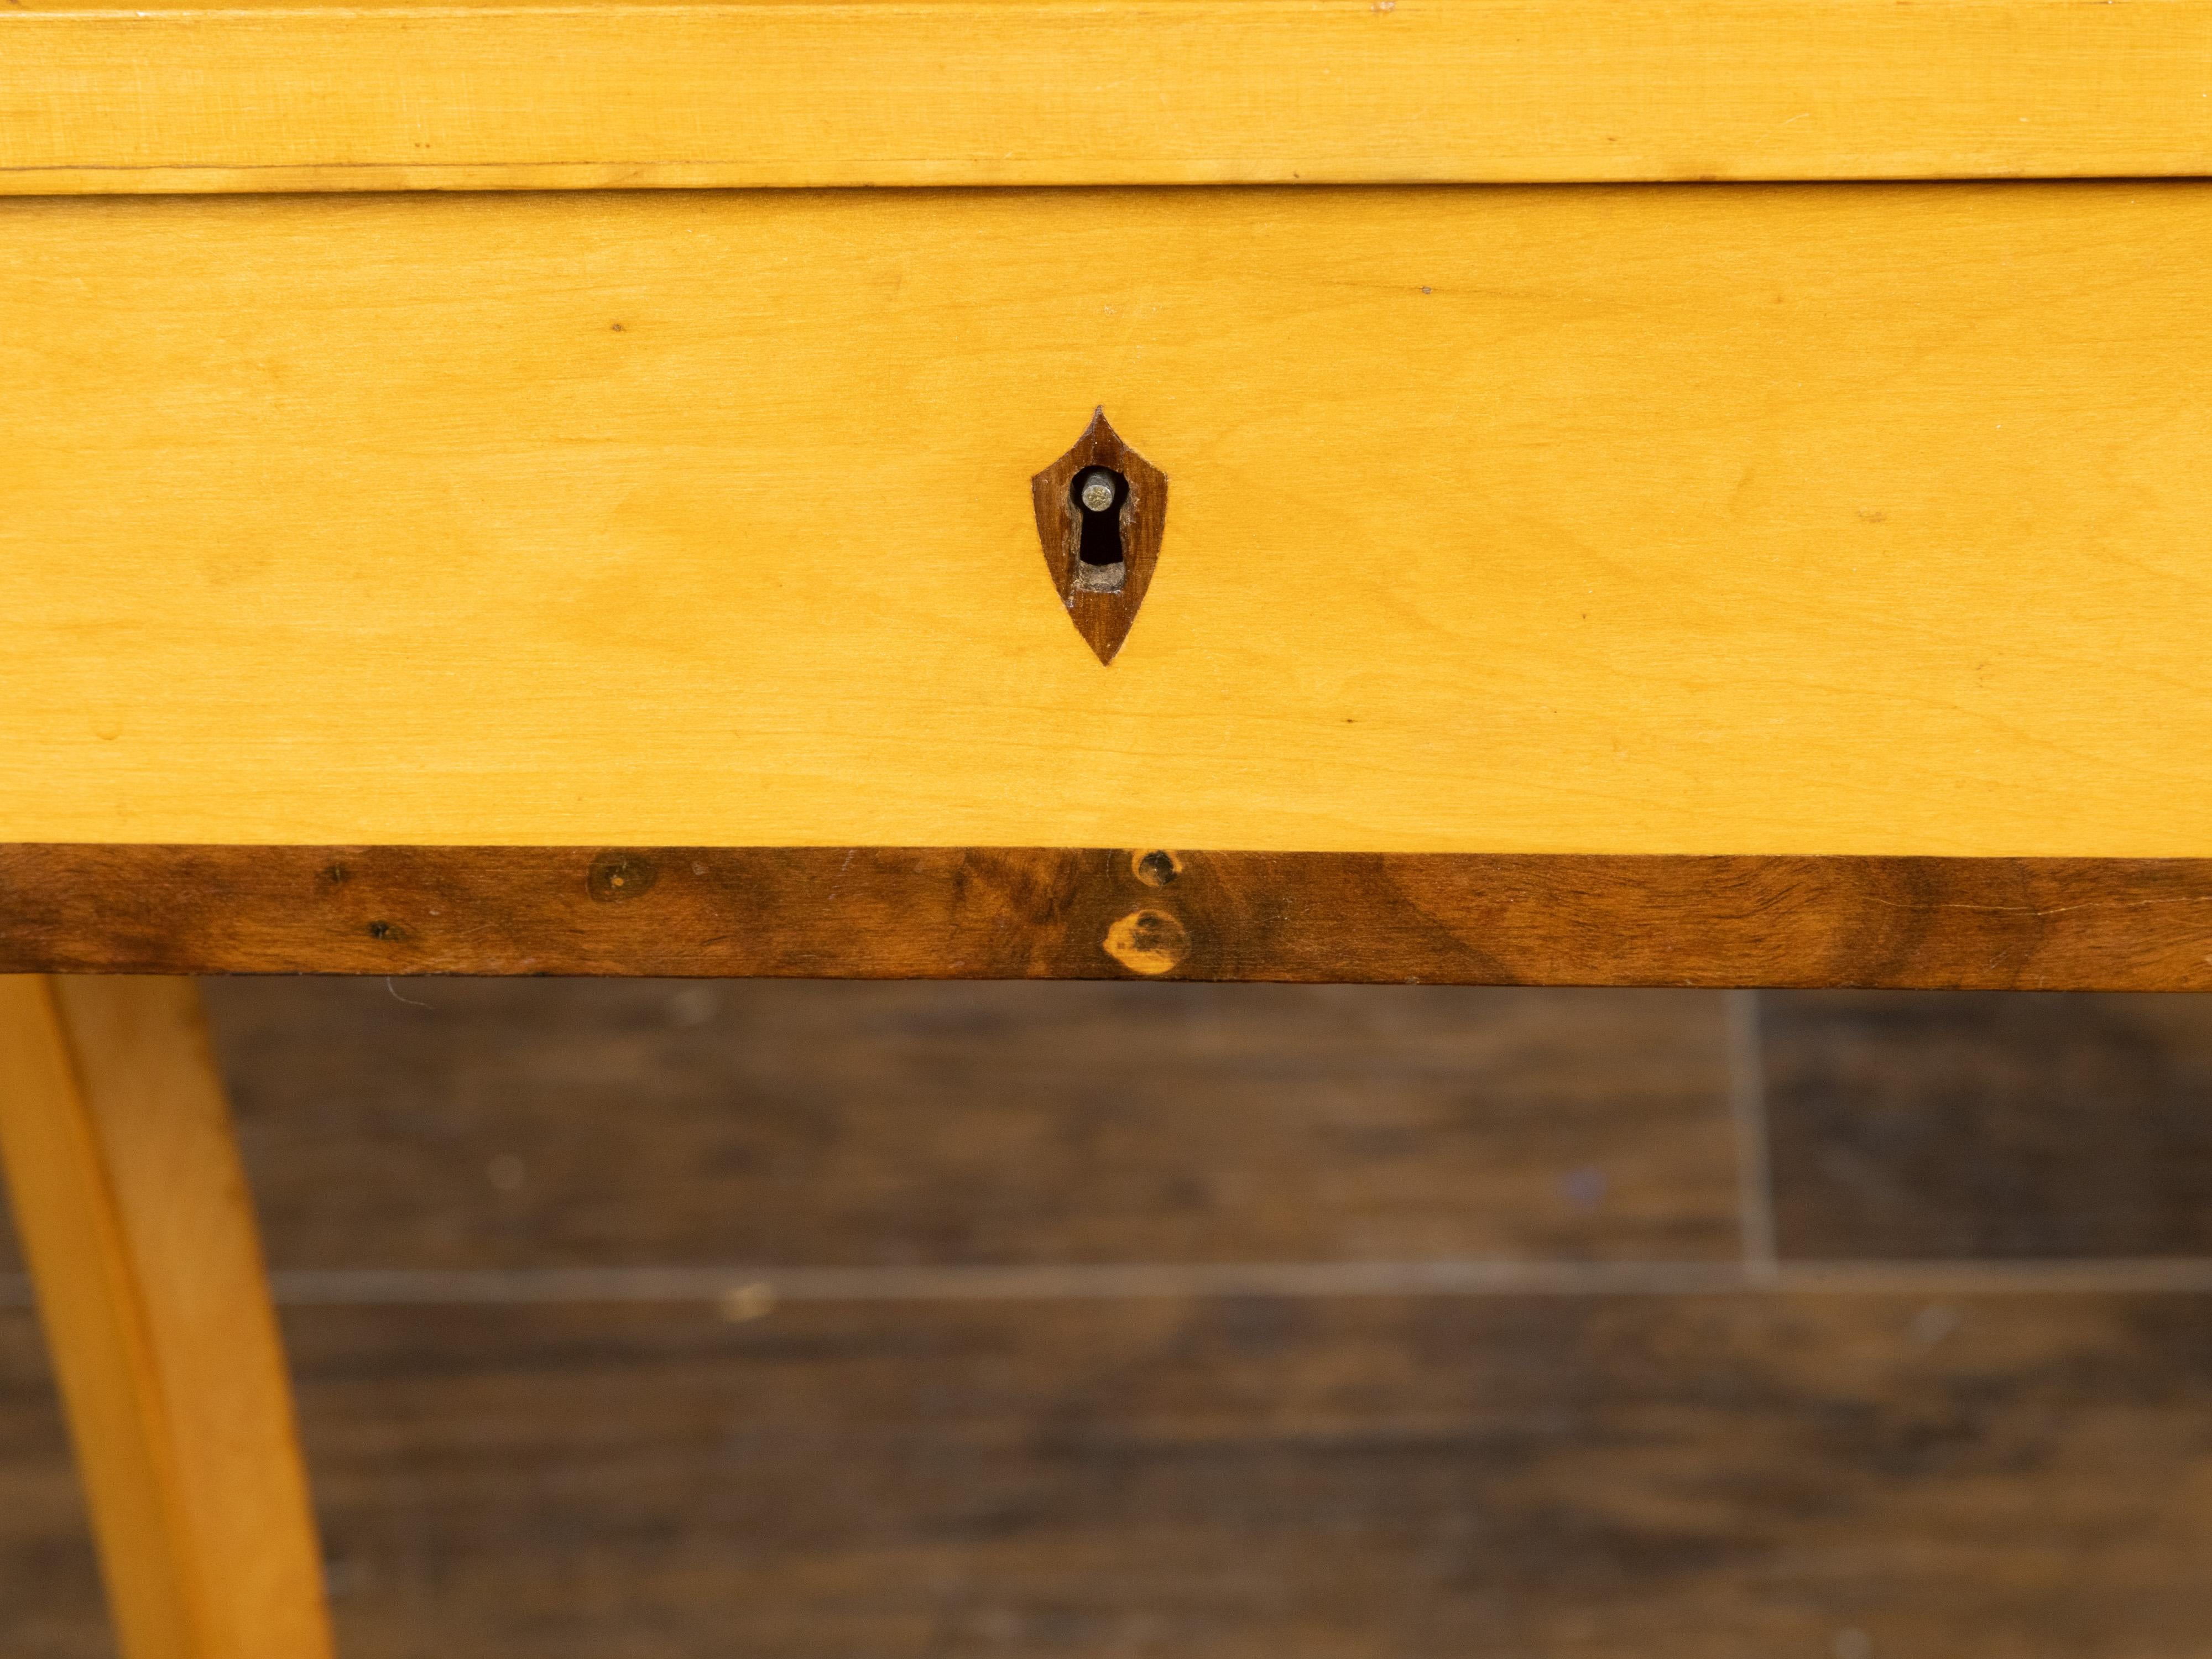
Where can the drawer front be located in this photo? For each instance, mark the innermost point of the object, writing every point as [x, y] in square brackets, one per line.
[1783, 519]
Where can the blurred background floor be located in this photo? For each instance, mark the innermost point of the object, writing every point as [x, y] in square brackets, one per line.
[642, 1318]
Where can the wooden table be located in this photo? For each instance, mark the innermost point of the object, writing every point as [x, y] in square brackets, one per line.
[1688, 492]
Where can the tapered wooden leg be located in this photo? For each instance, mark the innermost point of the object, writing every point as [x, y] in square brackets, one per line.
[133, 1211]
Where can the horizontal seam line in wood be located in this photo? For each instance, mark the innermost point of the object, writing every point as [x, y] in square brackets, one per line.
[1470, 176]
[1375, 91]
[1458, 1278]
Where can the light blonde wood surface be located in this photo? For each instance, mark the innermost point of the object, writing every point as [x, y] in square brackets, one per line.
[1753, 520]
[172, 97]
[133, 1213]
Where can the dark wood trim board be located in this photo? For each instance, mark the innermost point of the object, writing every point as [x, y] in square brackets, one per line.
[950, 913]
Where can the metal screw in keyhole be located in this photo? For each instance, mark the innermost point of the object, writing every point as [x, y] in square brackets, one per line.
[1099, 493]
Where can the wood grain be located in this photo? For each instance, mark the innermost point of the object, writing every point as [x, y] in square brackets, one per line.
[51, 1603]
[170, 97]
[1547, 520]
[1940, 1469]
[531, 1123]
[1722, 1478]
[1926, 1126]
[125, 1187]
[1046, 913]
[2004, 1477]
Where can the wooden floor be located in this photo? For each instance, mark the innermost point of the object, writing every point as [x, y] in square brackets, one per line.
[656, 1319]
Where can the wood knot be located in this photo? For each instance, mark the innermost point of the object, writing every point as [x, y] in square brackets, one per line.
[1158, 868]
[386, 930]
[615, 877]
[1147, 941]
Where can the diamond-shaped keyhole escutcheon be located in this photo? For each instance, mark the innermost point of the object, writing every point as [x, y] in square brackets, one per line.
[1101, 509]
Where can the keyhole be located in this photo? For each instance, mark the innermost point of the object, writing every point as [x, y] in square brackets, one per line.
[1098, 495]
